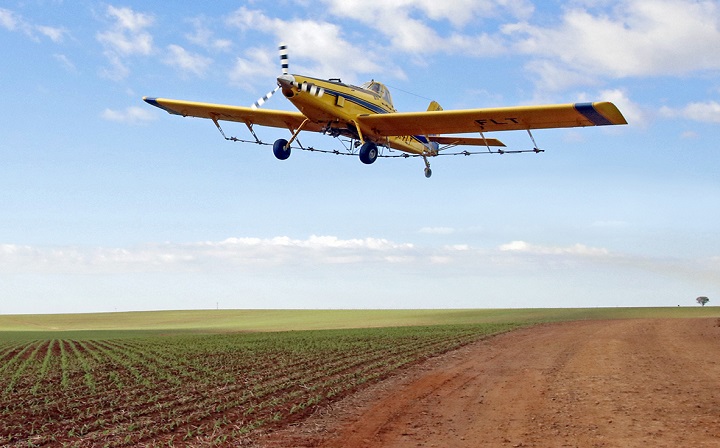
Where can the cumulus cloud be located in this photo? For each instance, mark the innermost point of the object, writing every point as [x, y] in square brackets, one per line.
[127, 36]
[635, 38]
[632, 112]
[411, 25]
[203, 36]
[320, 42]
[707, 112]
[186, 61]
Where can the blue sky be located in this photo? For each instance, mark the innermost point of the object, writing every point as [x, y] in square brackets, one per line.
[110, 204]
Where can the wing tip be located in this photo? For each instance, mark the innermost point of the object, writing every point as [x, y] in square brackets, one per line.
[602, 113]
[155, 102]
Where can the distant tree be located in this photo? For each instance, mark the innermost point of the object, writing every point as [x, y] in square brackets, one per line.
[702, 300]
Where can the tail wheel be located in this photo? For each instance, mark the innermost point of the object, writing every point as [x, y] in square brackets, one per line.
[281, 149]
[368, 153]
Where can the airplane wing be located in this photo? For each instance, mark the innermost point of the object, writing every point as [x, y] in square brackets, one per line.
[493, 119]
[247, 115]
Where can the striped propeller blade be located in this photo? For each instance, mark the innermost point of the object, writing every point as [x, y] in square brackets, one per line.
[284, 59]
[262, 100]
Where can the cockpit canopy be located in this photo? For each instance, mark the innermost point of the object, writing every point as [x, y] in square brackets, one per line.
[380, 89]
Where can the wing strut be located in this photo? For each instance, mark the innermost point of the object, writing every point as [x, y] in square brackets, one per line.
[487, 144]
[235, 139]
[535, 146]
[250, 128]
[217, 125]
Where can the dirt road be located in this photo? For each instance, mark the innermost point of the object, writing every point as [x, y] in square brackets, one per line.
[620, 383]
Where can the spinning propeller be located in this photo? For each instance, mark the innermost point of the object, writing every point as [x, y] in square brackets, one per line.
[288, 81]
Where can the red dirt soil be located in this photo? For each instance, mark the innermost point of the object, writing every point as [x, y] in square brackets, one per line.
[619, 383]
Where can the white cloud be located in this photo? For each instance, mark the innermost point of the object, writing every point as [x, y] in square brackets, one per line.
[53, 33]
[65, 62]
[707, 112]
[632, 112]
[204, 36]
[14, 22]
[231, 253]
[132, 115]
[320, 42]
[635, 38]
[459, 13]
[117, 70]
[247, 253]
[532, 249]
[8, 19]
[411, 25]
[188, 62]
[126, 37]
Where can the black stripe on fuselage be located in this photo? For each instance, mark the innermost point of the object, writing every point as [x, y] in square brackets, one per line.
[370, 107]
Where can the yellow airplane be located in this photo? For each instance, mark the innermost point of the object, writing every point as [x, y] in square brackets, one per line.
[367, 117]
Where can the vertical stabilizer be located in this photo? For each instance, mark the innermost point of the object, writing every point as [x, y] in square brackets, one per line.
[434, 107]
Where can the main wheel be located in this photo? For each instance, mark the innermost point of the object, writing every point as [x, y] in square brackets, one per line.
[280, 149]
[428, 172]
[368, 153]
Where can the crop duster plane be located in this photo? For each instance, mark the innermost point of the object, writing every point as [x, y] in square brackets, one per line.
[366, 116]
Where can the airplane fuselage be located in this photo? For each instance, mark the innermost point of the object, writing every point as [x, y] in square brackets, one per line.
[336, 106]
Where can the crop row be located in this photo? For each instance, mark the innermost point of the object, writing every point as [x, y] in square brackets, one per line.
[180, 390]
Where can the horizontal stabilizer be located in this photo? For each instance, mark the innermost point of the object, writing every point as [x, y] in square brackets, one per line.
[465, 141]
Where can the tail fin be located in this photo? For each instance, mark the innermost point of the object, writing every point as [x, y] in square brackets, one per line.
[434, 107]
[433, 146]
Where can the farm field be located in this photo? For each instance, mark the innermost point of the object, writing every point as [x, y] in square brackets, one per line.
[192, 378]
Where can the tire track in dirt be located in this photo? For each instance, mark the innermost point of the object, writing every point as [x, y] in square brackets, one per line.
[587, 384]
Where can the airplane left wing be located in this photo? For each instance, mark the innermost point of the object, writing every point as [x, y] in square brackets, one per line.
[247, 115]
[493, 119]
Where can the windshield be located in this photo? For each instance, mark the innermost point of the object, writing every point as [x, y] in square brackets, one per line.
[380, 89]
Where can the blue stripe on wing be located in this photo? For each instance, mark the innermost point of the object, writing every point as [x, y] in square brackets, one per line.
[154, 102]
[589, 112]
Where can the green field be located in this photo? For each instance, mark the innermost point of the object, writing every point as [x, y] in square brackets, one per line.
[213, 378]
[213, 321]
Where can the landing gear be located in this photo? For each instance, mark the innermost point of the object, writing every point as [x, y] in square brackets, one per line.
[368, 153]
[428, 171]
[281, 149]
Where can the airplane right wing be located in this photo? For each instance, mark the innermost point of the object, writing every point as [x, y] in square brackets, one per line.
[493, 119]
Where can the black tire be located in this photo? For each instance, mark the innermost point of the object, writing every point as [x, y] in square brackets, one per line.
[368, 153]
[280, 149]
